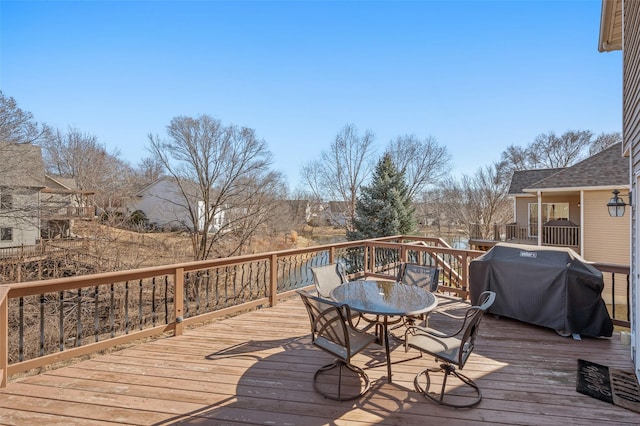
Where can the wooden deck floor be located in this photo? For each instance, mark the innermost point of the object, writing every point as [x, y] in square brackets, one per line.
[257, 368]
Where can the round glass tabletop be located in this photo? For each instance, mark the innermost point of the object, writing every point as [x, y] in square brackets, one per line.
[384, 297]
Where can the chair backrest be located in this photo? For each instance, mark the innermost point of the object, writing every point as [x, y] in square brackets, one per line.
[329, 324]
[327, 277]
[422, 276]
[469, 331]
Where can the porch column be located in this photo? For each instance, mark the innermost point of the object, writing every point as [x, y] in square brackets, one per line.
[539, 218]
[581, 222]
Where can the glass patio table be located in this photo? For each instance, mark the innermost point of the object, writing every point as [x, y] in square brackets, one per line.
[386, 300]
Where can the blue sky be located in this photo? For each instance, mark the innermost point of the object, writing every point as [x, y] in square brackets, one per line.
[476, 75]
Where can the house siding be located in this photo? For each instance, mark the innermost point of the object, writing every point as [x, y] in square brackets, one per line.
[631, 79]
[522, 212]
[163, 205]
[23, 218]
[631, 138]
[606, 239]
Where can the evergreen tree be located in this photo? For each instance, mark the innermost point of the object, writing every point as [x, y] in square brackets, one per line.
[384, 207]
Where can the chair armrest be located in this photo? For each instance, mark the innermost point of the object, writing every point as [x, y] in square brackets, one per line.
[447, 314]
[418, 330]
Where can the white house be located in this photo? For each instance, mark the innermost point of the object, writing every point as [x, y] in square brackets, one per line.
[169, 205]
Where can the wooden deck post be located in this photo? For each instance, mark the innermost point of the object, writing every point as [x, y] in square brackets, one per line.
[178, 303]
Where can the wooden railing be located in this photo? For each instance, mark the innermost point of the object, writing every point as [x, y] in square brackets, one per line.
[44, 322]
[552, 235]
[70, 212]
[43, 248]
[616, 279]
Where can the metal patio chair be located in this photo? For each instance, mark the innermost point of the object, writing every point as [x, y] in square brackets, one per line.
[328, 277]
[421, 276]
[451, 350]
[332, 331]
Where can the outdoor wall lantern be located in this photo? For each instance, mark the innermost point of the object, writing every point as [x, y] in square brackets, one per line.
[616, 204]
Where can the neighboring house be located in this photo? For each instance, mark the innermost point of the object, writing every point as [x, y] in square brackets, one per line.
[338, 213]
[21, 180]
[567, 207]
[166, 206]
[61, 203]
[620, 29]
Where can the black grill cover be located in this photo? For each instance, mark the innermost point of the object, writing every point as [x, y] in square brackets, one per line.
[550, 287]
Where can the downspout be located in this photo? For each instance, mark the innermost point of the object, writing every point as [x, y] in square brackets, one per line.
[539, 218]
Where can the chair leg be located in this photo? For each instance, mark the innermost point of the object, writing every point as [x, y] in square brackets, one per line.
[448, 370]
[340, 364]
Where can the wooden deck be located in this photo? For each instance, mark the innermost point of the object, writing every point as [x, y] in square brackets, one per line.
[257, 368]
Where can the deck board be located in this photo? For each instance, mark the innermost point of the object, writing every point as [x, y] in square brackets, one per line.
[256, 368]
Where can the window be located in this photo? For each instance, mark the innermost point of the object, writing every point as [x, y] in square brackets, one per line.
[6, 200]
[550, 211]
[6, 234]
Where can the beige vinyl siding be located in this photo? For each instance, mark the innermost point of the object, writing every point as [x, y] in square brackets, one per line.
[606, 239]
[522, 212]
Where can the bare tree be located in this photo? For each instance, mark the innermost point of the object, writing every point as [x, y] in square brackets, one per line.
[551, 151]
[219, 170]
[80, 156]
[149, 169]
[517, 158]
[339, 173]
[604, 141]
[422, 162]
[17, 125]
[480, 199]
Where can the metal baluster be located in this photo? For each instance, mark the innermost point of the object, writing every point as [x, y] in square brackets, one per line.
[235, 282]
[207, 295]
[21, 331]
[79, 319]
[217, 287]
[126, 307]
[613, 294]
[251, 296]
[153, 301]
[140, 318]
[197, 284]
[41, 325]
[243, 286]
[226, 286]
[166, 299]
[96, 318]
[61, 320]
[185, 294]
[112, 311]
[297, 272]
